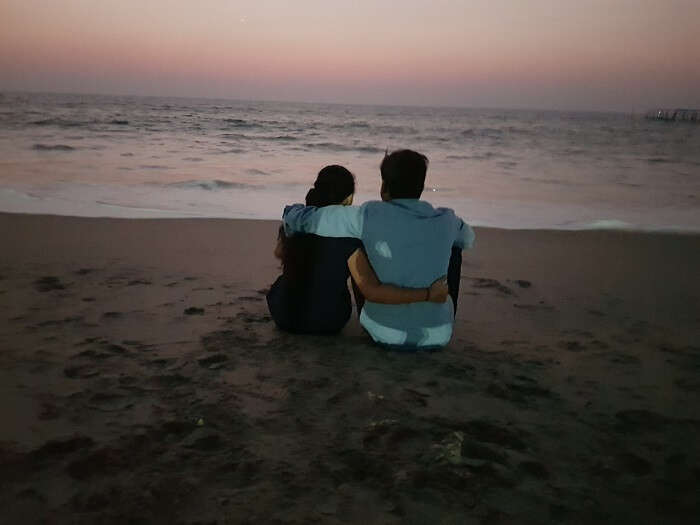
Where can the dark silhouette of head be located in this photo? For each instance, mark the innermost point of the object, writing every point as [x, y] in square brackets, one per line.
[403, 174]
[334, 184]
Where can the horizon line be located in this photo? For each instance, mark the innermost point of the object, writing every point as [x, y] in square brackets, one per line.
[310, 102]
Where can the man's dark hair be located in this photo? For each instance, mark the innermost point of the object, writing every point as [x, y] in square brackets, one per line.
[403, 173]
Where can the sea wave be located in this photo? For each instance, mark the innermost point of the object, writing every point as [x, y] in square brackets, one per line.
[233, 136]
[274, 138]
[211, 185]
[239, 123]
[395, 130]
[332, 146]
[483, 132]
[476, 156]
[63, 123]
[255, 171]
[52, 147]
[359, 124]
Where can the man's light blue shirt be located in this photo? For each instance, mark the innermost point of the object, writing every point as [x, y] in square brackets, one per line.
[408, 243]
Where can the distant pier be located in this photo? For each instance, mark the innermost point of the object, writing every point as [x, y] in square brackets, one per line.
[673, 115]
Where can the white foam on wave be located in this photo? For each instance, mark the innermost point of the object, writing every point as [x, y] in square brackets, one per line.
[178, 200]
[607, 224]
[141, 201]
[211, 185]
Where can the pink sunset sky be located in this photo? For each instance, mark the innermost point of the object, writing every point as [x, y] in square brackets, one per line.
[626, 55]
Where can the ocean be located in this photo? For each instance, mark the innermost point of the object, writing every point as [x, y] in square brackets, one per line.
[126, 156]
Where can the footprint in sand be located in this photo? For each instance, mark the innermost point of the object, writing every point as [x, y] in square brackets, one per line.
[174, 428]
[159, 362]
[136, 282]
[91, 354]
[633, 464]
[57, 448]
[80, 372]
[31, 495]
[212, 360]
[511, 342]
[481, 282]
[389, 435]
[689, 384]
[578, 333]
[416, 398]
[171, 380]
[203, 441]
[59, 322]
[194, 310]
[476, 450]
[109, 402]
[49, 283]
[529, 387]
[572, 346]
[532, 307]
[597, 313]
[127, 381]
[48, 412]
[486, 431]
[456, 372]
[624, 359]
[104, 349]
[253, 318]
[103, 462]
[534, 469]
[635, 421]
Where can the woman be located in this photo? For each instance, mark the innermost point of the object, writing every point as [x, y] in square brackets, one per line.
[311, 295]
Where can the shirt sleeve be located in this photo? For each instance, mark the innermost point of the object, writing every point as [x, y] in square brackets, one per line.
[329, 221]
[465, 235]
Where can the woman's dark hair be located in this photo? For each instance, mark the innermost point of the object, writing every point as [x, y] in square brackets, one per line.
[333, 185]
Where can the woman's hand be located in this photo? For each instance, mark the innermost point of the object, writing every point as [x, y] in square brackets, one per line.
[438, 291]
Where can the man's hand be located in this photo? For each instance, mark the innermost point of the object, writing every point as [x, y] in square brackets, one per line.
[438, 291]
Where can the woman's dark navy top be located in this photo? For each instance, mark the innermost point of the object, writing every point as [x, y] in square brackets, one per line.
[322, 303]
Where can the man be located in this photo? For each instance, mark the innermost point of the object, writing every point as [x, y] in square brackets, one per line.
[408, 243]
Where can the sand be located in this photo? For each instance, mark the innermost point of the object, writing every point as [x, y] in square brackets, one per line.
[142, 381]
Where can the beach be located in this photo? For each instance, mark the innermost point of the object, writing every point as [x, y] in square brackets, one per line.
[143, 381]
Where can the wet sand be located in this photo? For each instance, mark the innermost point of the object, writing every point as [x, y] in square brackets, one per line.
[142, 381]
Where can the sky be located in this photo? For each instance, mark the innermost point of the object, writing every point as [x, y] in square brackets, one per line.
[624, 55]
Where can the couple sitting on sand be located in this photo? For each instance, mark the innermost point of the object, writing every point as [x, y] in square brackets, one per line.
[397, 250]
